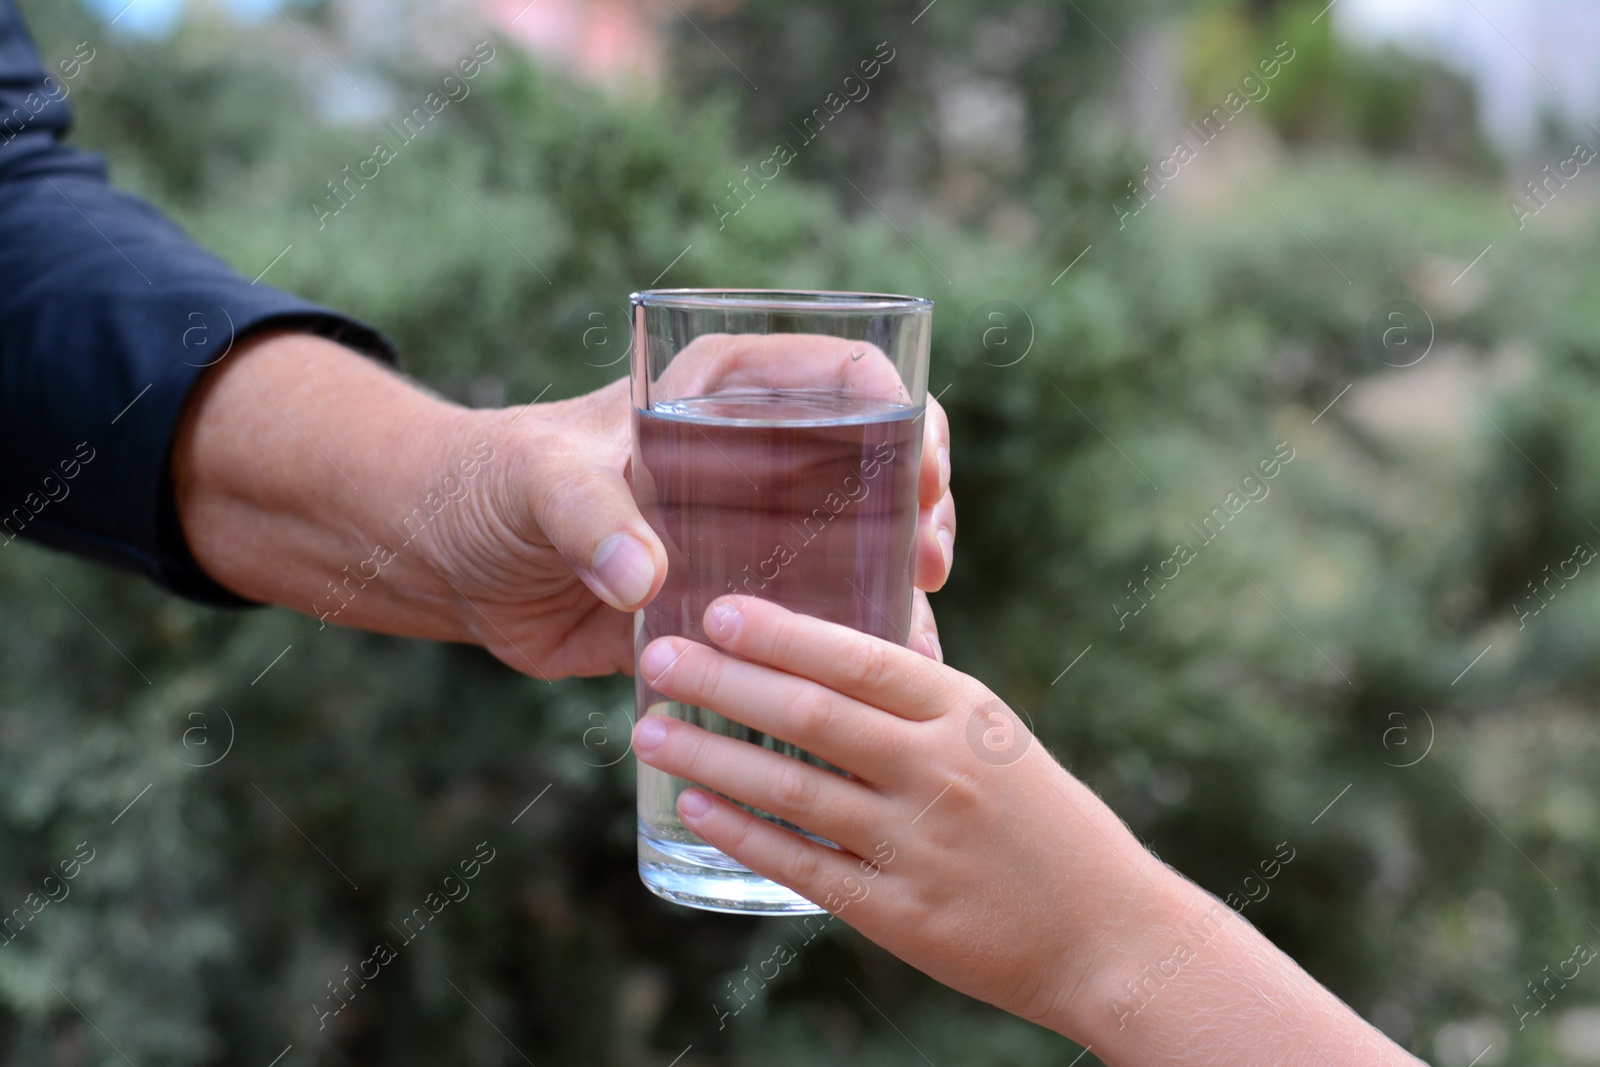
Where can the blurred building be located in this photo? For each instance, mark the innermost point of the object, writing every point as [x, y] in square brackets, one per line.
[616, 43]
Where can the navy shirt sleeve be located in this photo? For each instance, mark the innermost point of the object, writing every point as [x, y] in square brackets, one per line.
[108, 316]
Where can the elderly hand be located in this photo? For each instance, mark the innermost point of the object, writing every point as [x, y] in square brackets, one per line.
[309, 476]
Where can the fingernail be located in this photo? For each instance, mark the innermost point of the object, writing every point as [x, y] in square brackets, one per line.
[933, 643]
[649, 734]
[625, 569]
[944, 470]
[655, 659]
[722, 621]
[692, 803]
[947, 547]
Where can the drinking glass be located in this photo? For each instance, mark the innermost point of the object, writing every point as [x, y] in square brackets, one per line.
[777, 443]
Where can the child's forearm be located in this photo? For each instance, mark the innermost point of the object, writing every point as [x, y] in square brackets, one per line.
[1217, 992]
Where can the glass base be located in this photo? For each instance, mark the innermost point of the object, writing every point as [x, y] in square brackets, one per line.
[699, 876]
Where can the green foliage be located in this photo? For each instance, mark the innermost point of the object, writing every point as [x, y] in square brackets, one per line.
[1220, 720]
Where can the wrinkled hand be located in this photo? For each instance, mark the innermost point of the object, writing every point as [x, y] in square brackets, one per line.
[964, 847]
[549, 555]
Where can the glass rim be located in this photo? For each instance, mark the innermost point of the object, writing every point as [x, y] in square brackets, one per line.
[815, 300]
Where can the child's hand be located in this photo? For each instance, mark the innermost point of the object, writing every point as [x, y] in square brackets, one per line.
[965, 848]
[967, 851]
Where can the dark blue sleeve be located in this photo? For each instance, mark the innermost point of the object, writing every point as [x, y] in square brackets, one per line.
[108, 316]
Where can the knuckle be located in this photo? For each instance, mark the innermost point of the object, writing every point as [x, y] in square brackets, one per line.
[969, 785]
[813, 713]
[966, 790]
[572, 490]
[801, 862]
[867, 664]
[794, 788]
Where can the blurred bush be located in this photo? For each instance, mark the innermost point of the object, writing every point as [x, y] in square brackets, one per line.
[1389, 102]
[1311, 654]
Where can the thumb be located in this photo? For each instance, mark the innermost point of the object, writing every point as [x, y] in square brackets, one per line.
[590, 518]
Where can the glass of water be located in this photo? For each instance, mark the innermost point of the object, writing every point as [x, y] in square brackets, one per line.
[777, 442]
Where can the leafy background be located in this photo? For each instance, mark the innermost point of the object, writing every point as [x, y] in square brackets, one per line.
[1308, 655]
